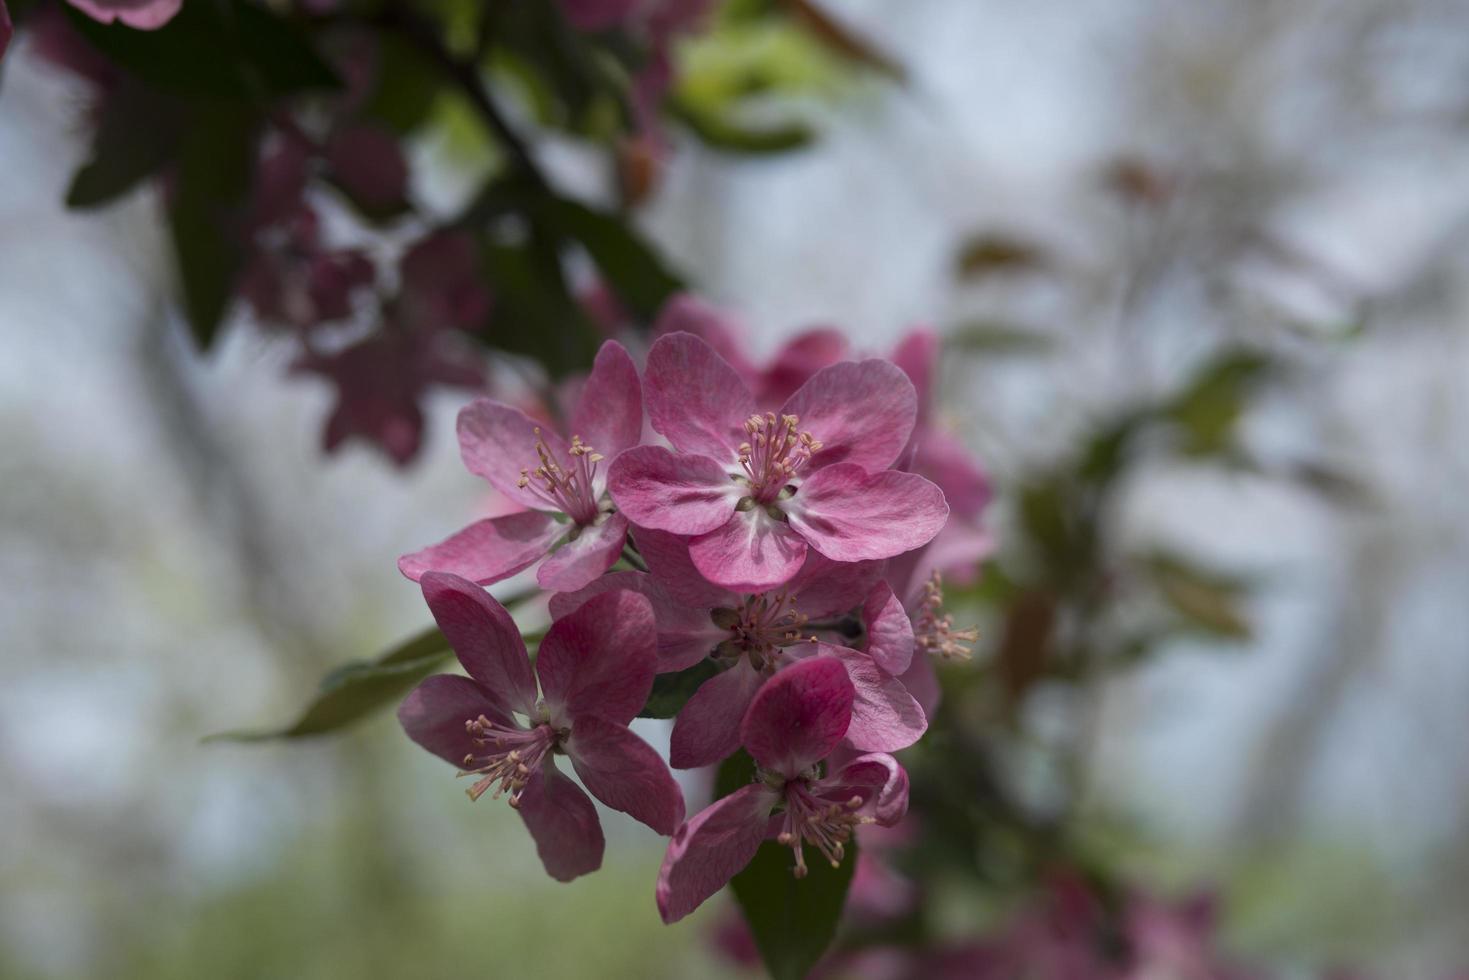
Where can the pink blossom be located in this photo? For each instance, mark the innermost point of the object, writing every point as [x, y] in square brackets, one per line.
[595, 668]
[933, 451]
[6, 30]
[441, 285]
[145, 15]
[553, 478]
[380, 381]
[792, 726]
[752, 637]
[755, 492]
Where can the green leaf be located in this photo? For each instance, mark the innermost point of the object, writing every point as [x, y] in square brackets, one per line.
[204, 210]
[672, 691]
[534, 314]
[1208, 600]
[136, 136]
[999, 339]
[723, 133]
[408, 84]
[793, 919]
[1208, 408]
[356, 690]
[636, 273]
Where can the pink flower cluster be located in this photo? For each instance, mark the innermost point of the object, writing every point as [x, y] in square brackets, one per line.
[763, 529]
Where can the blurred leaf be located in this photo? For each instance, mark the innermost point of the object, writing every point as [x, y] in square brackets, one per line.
[1106, 453]
[1208, 408]
[1336, 485]
[536, 35]
[136, 136]
[990, 252]
[672, 691]
[407, 86]
[837, 37]
[723, 133]
[234, 50]
[1044, 512]
[203, 214]
[1208, 600]
[793, 919]
[1025, 651]
[356, 690]
[534, 314]
[985, 337]
[628, 263]
[736, 771]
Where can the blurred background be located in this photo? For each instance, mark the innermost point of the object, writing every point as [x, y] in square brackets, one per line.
[1250, 218]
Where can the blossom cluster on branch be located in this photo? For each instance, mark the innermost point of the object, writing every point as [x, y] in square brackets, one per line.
[763, 540]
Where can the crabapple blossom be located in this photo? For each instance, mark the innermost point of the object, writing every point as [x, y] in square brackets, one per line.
[554, 478]
[792, 726]
[755, 492]
[145, 15]
[594, 668]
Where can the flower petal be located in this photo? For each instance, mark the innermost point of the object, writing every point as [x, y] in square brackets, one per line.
[848, 514]
[609, 413]
[600, 659]
[944, 460]
[861, 412]
[957, 550]
[487, 551]
[712, 848]
[625, 773]
[824, 587]
[798, 716]
[695, 398]
[675, 492]
[686, 634]
[879, 780]
[687, 313]
[889, 630]
[563, 822]
[434, 713]
[668, 560]
[580, 560]
[917, 354]
[922, 681]
[707, 730]
[796, 361]
[496, 442]
[144, 15]
[752, 552]
[484, 637]
[885, 717]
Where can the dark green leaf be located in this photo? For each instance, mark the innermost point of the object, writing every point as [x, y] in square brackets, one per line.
[204, 214]
[1210, 405]
[534, 313]
[999, 339]
[793, 919]
[407, 86]
[356, 690]
[628, 264]
[732, 137]
[672, 691]
[136, 136]
[736, 771]
[1208, 600]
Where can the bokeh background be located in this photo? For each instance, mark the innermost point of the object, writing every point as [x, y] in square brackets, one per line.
[1090, 200]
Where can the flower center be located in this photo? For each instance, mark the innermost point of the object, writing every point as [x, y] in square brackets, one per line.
[508, 756]
[825, 824]
[934, 630]
[774, 453]
[760, 626]
[569, 489]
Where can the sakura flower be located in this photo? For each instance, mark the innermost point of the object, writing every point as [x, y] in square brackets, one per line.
[145, 15]
[595, 668]
[752, 637]
[556, 479]
[755, 492]
[793, 725]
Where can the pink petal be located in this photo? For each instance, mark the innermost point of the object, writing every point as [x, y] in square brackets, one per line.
[752, 552]
[7, 30]
[668, 559]
[581, 559]
[861, 412]
[600, 659]
[712, 848]
[145, 15]
[487, 551]
[674, 492]
[824, 587]
[609, 413]
[878, 780]
[922, 681]
[685, 635]
[695, 398]
[799, 716]
[945, 461]
[563, 822]
[686, 313]
[707, 730]
[434, 713]
[368, 163]
[625, 773]
[956, 551]
[796, 361]
[885, 717]
[848, 514]
[497, 442]
[889, 630]
[918, 356]
[484, 637]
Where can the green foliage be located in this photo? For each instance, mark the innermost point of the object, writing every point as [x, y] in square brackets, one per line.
[672, 691]
[793, 919]
[636, 273]
[356, 690]
[135, 139]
